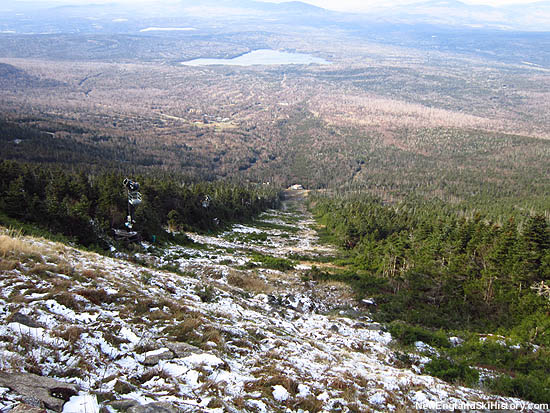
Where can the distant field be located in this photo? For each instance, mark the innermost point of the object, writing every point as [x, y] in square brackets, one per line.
[391, 118]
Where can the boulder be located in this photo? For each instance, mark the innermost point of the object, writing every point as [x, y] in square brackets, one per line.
[181, 349]
[123, 405]
[50, 392]
[154, 408]
[375, 327]
[25, 408]
[22, 319]
[152, 358]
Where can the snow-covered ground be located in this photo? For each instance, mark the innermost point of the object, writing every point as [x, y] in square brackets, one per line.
[205, 335]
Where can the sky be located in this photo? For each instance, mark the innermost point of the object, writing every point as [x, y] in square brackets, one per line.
[340, 5]
[359, 5]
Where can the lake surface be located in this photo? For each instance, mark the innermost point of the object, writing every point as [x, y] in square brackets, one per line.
[262, 57]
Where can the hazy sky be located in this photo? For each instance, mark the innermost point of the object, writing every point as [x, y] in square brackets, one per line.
[358, 5]
[347, 5]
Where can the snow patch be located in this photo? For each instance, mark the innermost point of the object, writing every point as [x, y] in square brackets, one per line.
[81, 403]
[280, 393]
[378, 398]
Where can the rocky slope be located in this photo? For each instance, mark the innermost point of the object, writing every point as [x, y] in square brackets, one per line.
[207, 327]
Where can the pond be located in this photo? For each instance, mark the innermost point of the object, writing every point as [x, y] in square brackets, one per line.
[262, 57]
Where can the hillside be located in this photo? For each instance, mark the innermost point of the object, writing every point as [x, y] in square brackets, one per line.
[228, 324]
[413, 274]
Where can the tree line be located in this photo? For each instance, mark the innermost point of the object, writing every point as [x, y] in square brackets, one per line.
[435, 267]
[86, 206]
[430, 267]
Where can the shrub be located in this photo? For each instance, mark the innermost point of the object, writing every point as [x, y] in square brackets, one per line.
[451, 371]
[528, 387]
[408, 335]
[206, 293]
[274, 263]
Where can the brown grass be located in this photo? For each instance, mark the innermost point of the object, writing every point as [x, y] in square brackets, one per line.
[8, 265]
[71, 334]
[212, 334]
[60, 284]
[186, 330]
[15, 246]
[91, 274]
[65, 268]
[96, 296]
[339, 384]
[249, 282]
[309, 404]
[68, 300]
[272, 377]
[42, 270]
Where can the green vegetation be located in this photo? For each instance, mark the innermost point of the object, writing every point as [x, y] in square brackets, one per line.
[247, 237]
[408, 335]
[270, 225]
[268, 261]
[437, 268]
[85, 207]
[448, 370]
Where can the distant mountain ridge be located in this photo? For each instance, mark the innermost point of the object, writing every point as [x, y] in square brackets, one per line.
[528, 17]
[525, 17]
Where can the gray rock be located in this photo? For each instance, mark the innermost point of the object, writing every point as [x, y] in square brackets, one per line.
[153, 408]
[123, 387]
[456, 341]
[52, 393]
[368, 326]
[152, 358]
[368, 302]
[25, 408]
[334, 328]
[23, 319]
[374, 326]
[181, 349]
[123, 404]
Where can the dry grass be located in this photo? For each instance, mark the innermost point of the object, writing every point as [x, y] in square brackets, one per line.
[60, 284]
[310, 404]
[42, 270]
[71, 333]
[186, 330]
[249, 282]
[96, 296]
[213, 335]
[13, 245]
[68, 300]
[270, 377]
[344, 290]
[338, 384]
[91, 274]
[8, 265]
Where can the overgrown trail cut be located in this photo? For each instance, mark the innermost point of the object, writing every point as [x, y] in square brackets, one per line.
[228, 323]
